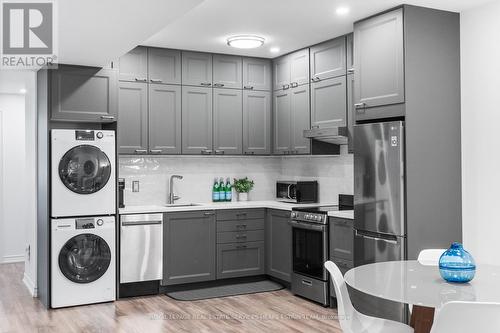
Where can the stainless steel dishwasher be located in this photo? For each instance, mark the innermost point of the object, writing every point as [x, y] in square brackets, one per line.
[141, 247]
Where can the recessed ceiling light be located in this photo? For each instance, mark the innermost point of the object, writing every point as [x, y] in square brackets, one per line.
[245, 41]
[342, 11]
[274, 49]
[22, 91]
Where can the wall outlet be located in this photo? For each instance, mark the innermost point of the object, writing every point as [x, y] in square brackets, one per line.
[135, 186]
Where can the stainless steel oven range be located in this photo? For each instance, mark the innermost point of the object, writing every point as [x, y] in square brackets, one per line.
[310, 241]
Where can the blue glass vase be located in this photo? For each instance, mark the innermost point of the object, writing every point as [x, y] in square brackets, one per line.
[457, 265]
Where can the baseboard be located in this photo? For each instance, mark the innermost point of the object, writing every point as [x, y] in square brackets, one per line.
[28, 282]
[13, 259]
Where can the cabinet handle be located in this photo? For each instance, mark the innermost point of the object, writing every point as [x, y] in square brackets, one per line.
[350, 70]
[241, 246]
[249, 153]
[141, 80]
[141, 151]
[209, 213]
[155, 151]
[219, 85]
[286, 86]
[156, 81]
[220, 151]
[206, 151]
[294, 84]
[359, 105]
[248, 87]
[315, 126]
[241, 226]
[241, 236]
[107, 117]
[205, 84]
[316, 79]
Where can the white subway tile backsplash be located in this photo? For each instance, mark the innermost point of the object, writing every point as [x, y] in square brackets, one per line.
[334, 174]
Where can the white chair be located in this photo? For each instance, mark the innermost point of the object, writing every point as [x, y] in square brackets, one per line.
[352, 321]
[465, 317]
[430, 257]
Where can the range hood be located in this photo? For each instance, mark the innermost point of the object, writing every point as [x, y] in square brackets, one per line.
[332, 135]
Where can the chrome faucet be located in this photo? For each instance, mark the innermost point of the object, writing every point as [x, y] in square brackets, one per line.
[171, 196]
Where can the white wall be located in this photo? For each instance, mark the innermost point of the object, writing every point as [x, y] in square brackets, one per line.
[13, 217]
[480, 71]
[335, 175]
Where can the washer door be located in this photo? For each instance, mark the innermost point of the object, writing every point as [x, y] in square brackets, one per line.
[84, 258]
[85, 169]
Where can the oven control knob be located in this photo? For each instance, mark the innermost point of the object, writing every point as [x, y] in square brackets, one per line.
[294, 214]
[100, 222]
[99, 135]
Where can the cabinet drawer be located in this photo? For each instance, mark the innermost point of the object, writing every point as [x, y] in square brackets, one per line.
[243, 259]
[239, 214]
[240, 225]
[240, 236]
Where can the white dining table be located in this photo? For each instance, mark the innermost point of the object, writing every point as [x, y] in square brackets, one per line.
[420, 285]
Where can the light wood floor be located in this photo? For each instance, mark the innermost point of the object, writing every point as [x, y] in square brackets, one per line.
[277, 311]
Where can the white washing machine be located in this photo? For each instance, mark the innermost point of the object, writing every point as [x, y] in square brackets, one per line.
[83, 172]
[83, 261]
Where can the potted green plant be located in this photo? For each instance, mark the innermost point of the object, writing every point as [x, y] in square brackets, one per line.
[242, 187]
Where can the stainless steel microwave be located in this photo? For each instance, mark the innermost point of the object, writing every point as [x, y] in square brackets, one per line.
[297, 191]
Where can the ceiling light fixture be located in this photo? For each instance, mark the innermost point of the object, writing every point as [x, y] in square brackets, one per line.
[22, 91]
[342, 11]
[274, 49]
[245, 41]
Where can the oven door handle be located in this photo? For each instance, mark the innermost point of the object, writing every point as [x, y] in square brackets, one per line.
[307, 226]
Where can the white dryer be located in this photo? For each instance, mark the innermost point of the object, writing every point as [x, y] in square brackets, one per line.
[83, 261]
[83, 172]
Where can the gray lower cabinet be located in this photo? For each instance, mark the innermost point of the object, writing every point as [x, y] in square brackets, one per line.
[379, 60]
[257, 74]
[227, 71]
[279, 245]
[189, 250]
[196, 69]
[83, 94]
[341, 245]
[300, 120]
[328, 103]
[281, 121]
[228, 121]
[133, 66]
[240, 259]
[350, 113]
[164, 119]
[196, 120]
[256, 122]
[328, 59]
[164, 66]
[133, 118]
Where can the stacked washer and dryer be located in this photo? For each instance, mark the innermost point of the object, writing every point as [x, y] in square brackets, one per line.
[83, 210]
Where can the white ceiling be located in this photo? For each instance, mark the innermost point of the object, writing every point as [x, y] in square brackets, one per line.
[287, 24]
[94, 32]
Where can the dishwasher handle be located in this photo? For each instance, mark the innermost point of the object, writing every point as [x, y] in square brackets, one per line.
[136, 223]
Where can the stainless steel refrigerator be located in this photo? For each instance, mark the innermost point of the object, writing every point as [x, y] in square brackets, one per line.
[379, 206]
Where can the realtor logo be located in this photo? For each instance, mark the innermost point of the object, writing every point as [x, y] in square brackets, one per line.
[27, 34]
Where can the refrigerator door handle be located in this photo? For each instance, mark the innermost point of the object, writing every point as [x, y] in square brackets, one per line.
[367, 236]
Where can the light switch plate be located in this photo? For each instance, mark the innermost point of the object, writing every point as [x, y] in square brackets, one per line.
[135, 186]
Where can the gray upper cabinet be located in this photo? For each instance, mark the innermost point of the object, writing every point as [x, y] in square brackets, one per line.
[279, 245]
[83, 94]
[196, 120]
[281, 69]
[257, 74]
[350, 113]
[133, 118]
[133, 66]
[228, 118]
[189, 247]
[164, 66]
[299, 68]
[256, 122]
[197, 69]
[164, 119]
[328, 59]
[328, 103]
[282, 121]
[227, 71]
[300, 120]
[379, 60]
[350, 53]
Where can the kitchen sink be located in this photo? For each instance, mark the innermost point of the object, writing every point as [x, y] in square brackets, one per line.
[182, 205]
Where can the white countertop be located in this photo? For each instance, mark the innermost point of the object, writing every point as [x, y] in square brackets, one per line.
[223, 205]
[345, 214]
